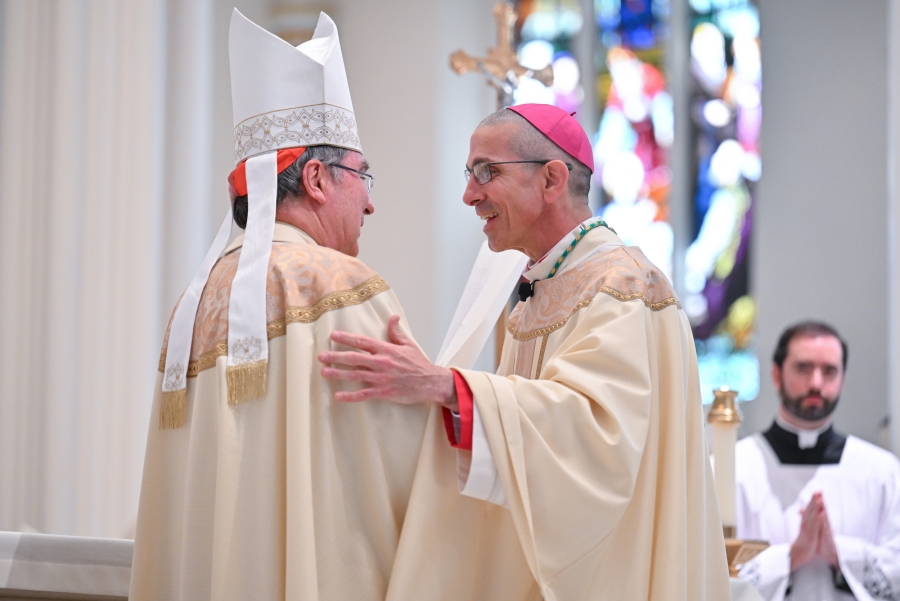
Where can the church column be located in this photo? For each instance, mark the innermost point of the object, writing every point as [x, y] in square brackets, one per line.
[584, 48]
[893, 112]
[681, 201]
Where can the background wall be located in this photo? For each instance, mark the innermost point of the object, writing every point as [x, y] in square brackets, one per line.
[415, 117]
[821, 218]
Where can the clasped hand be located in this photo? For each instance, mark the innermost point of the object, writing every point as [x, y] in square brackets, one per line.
[396, 370]
[816, 538]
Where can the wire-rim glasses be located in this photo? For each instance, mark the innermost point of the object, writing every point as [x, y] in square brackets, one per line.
[483, 173]
[367, 178]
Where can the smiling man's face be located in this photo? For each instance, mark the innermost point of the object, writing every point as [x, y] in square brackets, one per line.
[510, 203]
[811, 378]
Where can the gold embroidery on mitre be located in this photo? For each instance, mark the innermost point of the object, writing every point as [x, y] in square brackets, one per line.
[299, 126]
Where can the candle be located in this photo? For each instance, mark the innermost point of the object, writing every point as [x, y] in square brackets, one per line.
[724, 418]
[724, 437]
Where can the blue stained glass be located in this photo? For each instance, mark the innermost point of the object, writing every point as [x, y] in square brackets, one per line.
[636, 24]
[725, 139]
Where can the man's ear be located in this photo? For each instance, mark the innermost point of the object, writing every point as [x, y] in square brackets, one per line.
[776, 376]
[556, 180]
[316, 181]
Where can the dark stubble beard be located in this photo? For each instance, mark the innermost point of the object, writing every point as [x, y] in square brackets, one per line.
[794, 405]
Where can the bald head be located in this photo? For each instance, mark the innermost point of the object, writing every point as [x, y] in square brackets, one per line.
[529, 144]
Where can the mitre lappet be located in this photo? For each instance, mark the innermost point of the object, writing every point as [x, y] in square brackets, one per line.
[285, 99]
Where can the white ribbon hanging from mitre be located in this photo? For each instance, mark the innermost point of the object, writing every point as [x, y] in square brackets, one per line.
[248, 342]
[283, 97]
[181, 333]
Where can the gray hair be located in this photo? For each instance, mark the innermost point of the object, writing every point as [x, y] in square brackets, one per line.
[290, 181]
[531, 145]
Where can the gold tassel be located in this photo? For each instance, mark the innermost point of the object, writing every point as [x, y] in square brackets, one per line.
[171, 415]
[246, 382]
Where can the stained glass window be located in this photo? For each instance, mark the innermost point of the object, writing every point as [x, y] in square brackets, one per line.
[632, 143]
[635, 137]
[725, 114]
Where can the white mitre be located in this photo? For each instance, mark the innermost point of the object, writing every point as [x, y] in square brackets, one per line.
[284, 98]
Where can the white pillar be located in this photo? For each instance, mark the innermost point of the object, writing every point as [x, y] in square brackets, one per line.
[679, 83]
[893, 168]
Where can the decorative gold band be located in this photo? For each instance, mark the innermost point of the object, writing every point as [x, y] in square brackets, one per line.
[278, 327]
[668, 302]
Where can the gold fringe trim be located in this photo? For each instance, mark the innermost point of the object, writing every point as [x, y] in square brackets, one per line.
[171, 414]
[246, 382]
[278, 327]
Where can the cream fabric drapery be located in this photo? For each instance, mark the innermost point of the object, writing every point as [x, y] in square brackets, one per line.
[112, 138]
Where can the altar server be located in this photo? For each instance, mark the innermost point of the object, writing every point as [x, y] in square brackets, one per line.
[256, 484]
[828, 504]
[585, 453]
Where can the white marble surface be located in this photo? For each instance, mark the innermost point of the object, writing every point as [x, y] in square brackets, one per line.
[741, 590]
[45, 566]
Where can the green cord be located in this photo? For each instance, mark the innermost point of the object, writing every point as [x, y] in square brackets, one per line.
[575, 242]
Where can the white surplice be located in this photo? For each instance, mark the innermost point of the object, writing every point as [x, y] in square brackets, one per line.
[862, 498]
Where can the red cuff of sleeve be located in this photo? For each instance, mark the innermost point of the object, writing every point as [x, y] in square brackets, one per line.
[465, 399]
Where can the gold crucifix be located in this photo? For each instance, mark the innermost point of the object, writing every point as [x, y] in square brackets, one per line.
[501, 66]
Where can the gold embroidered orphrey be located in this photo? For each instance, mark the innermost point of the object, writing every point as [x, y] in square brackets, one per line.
[278, 327]
[612, 273]
[521, 336]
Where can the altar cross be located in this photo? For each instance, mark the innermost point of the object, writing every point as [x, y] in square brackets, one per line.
[501, 65]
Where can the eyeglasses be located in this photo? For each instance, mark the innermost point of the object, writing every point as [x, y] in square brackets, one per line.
[483, 173]
[367, 178]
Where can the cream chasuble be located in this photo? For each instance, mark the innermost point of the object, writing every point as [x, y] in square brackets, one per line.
[292, 495]
[595, 428]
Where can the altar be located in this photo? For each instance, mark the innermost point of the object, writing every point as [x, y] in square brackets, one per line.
[75, 568]
[47, 566]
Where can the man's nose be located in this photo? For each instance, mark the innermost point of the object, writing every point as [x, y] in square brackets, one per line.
[473, 194]
[370, 208]
[817, 378]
